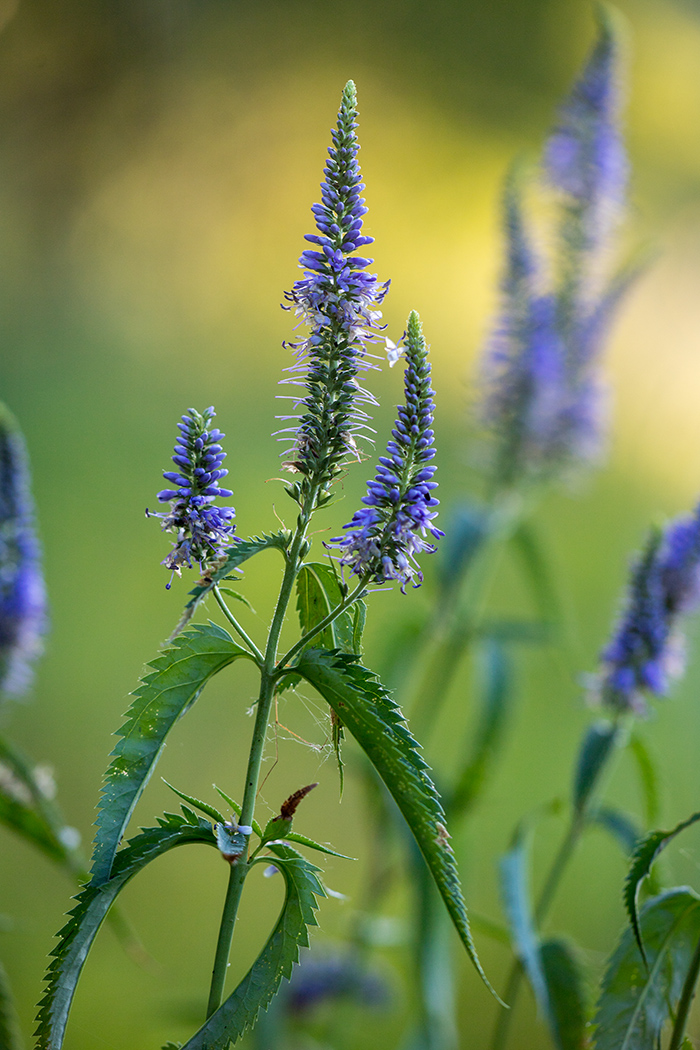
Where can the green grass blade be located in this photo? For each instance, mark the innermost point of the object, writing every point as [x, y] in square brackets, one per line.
[176, 678]
[240, 1010]
[636, 1001]
[93, 903]
[368, 712]
[566, 989]
[644, 856]
[236, 555]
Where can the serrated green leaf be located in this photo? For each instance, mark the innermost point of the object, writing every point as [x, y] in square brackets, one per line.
[93, 903]
[495, 695]
[176, 679]
[303, 840]
[565, 987]
[9, 1029]
[622, 828]
[276, 960]
[377, 724]
[237, 596]
[515, 893]
[235, 556]
[648, 777]
[644, 856]
[203, 807]
[637, 1000]
[597, 746]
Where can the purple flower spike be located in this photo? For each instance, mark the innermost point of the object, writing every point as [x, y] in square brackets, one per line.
[543, 401]
[646, 651]
[383, 538]
[203, 531]
[23, 614]
[338, 300]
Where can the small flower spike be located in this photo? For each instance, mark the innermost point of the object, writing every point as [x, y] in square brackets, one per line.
[23, 614]
[383, 538]
[543, 400]
[338, 300]
[203, 531]
[646, 650]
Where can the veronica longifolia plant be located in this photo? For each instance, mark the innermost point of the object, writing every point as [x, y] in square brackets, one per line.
[336, 300]
[543, 401]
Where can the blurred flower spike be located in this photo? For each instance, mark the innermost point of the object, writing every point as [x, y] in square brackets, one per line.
[543, 402]
[23, 612]
[384, 537]
[203, 531]
[646, 651]
[337, 299]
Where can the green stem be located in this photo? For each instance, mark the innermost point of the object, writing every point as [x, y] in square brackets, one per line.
[260, 659]
[240, 868]
[325, 622]
[685, 1001]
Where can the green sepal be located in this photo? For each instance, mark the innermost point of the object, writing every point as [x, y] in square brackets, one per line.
[239, 1012]
[10, 1038]
[369, 713]
[644, 856]
[235, 556]
[176, 679]
[93, 903]
[637, 1000]
[566, 991]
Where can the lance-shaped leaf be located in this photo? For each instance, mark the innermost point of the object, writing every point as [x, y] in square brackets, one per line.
[644, 856]
[496, 696]
[276, 960]
[176, 678]
[622, 828]
[235, 557]
[636, 999]
[567, 1000]
[9, 1029]
[26, 808]
[648, 777]
[515, 892]
[367, 710]
[538, 571]
[93, 903]
[597, 746]
[318, 593]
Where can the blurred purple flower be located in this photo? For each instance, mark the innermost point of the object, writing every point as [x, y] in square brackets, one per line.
[384, 537]
[338, 300]
[543, 400]
[330, 978]
[203, 531]
[646, 650]
[23, 612]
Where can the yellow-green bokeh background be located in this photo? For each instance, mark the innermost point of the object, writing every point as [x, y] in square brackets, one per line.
[157, 163]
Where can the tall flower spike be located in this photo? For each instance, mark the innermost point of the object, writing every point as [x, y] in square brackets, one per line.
[23, 615]
[203, 531]
[384, 537]
[646, 650]
[338, 300]
[543, 400]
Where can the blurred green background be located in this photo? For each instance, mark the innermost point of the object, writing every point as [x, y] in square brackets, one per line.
[157, 163]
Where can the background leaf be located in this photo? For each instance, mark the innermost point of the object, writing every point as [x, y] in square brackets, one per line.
[496, 695]
[637, 1000]
[176, 679]
[240, 1010]
[648, 777]
[567, 1001]
[376, 722]
[93, 903]
[644, 856]
[9, 1029]
[622, 827]
[595, 750]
